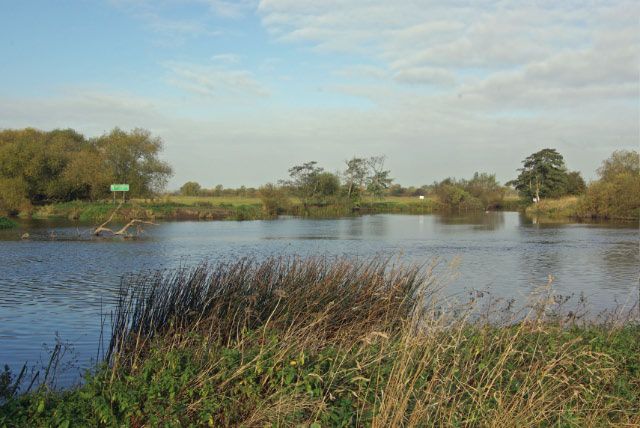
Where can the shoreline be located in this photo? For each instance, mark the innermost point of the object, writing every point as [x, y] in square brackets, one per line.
[300, 344]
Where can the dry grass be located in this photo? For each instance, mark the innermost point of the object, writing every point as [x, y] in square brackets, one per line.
[319, 342]
[565, 207]
[393, 351]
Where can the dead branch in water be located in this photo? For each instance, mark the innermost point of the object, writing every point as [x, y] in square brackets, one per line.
[123, 231]
[102, 228]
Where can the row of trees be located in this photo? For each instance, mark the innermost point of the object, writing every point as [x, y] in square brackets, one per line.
[361, 177]
[615, 194]
[480, 192]
[193, 188]
[39, 167]
[313, 185]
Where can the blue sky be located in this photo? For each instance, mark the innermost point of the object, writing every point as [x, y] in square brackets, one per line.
[241, 90]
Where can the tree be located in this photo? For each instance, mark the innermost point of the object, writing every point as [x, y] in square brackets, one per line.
[620, 162]
[190, 188]
[617, 193]
[486, 188]
[63, 165]
[13, 197]
[378, 181]
[303, 181]
[355, 176]
[575, 183]
[543, 175]
[327, 186]
[133, 159]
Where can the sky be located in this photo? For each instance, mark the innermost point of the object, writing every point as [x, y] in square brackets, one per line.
[239, 91]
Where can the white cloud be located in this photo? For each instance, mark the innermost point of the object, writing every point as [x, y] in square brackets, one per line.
[425, 75]
[215, 81]
[452, 85]
[439, 42]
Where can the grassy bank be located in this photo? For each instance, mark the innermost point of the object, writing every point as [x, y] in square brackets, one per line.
[560, 208]
[5, 223]
[149, 210]
[236, 208]
[581, 208]
[339, 343]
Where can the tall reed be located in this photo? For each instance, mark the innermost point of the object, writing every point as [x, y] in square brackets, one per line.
[371, 343]
[334, 342]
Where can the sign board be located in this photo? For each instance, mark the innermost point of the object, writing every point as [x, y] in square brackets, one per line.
[119, 187]
[421, 197]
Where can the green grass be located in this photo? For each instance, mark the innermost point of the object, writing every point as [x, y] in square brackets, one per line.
[5, 223]
[210, 200]
[148, 210]
[313, 342]
[238, 208]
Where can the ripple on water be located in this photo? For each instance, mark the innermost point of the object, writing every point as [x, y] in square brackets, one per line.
[64, 287]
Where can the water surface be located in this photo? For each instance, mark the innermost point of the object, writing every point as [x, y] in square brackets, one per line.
[55, 283]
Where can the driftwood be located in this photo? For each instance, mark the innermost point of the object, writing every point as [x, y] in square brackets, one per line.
[98, 231]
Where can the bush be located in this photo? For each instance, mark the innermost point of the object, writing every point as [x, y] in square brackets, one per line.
[617, 193]
[5, 223]
[615, 198]
[455, 197]
[13, 199]
[275, 199]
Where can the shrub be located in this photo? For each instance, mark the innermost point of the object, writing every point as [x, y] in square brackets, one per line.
[5, 223]
[275, 199]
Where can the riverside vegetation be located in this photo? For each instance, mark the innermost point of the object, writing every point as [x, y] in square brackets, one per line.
[62, 173]
[318, 342]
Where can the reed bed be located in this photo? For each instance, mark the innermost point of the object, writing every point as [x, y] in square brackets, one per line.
[333, 342]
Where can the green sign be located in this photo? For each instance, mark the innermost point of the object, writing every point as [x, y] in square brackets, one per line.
[119, 187]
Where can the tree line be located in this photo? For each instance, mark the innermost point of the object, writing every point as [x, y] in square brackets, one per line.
[615, 194]
[39, 167]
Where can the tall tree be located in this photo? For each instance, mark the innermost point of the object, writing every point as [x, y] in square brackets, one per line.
[355, 176]
[303, 181]
[190, 188]
[619, 163]
[133, 158]
[378, 180]
[575, 183]
[543, 174]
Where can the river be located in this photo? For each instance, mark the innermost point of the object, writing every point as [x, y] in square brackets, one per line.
[55, 284]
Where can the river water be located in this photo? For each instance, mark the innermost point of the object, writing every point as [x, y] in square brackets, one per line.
[57, 285]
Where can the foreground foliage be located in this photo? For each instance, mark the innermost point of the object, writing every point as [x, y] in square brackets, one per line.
[336, 343]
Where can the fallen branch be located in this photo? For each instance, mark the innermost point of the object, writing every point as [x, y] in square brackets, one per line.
[102, 228]
[123, 231]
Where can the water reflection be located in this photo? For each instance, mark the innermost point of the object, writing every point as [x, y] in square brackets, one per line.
[490, 220]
